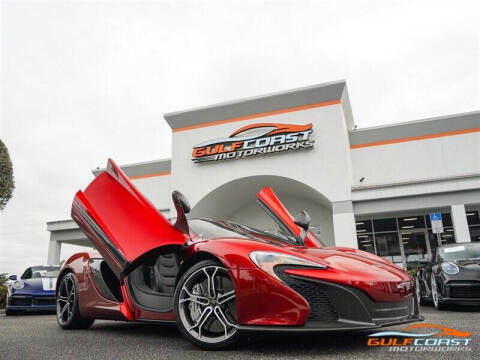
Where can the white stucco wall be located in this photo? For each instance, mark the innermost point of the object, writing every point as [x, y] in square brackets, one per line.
[420, 160]
[325, 167]
[156, 189]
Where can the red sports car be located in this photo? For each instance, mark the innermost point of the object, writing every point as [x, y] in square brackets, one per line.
[216, 279]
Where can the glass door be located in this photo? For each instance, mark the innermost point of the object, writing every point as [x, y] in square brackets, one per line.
[415, 246]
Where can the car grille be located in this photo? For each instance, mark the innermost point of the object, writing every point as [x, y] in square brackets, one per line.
[467, 291]
[321, 307]
[43, 301]
[21, 301]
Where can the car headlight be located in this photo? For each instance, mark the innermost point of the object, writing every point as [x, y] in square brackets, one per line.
[267, 260]
[450, 268]
[18, 284]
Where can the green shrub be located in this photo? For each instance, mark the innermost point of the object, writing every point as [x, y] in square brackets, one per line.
[3, 290]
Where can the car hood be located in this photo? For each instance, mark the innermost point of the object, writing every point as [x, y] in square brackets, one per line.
[40, 284]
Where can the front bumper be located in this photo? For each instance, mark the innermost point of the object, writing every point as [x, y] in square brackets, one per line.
[461, 293]
[335, 307]
[31, 303]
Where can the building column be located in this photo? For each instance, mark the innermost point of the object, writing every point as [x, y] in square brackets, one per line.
[460, 224]
[54, 249]
[344, 228]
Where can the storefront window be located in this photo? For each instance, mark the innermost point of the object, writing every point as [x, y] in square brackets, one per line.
[410, 235]
[411, 222]
[385, 225]
[414, 248]
[364, 226]
[387, 246]
[365, 243]
[473, 219]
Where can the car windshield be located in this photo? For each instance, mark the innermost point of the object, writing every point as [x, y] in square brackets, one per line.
[459, 252]
[207, 228]
[45, 271]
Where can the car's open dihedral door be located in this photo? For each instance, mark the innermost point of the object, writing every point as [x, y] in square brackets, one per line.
[122, 224]
[269, 201]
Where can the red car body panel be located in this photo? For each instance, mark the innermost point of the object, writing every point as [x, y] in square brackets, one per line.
[125, 227]
[127, 218]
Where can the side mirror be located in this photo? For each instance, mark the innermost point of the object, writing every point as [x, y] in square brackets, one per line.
[302, 219]
[12, 277]
[180, 200]
[183, 207]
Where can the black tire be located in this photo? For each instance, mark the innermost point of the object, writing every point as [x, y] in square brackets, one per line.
[68, 314]
[210, 305]
[435, 297]
[418, 289]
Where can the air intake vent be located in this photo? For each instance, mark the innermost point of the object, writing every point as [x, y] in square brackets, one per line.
[321, 307]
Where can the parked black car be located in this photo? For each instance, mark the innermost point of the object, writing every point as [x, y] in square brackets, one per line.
[451, 277]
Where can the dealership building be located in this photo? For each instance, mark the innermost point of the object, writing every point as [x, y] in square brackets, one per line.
[369, 188]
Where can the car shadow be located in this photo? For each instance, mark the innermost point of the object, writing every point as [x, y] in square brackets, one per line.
[255, 342]
[304, 343]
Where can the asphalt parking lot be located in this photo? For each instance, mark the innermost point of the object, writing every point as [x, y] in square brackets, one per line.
[38, 337]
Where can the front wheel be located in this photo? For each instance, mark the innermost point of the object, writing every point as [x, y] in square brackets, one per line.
[68, 314]
[205, 306]
[435, 297]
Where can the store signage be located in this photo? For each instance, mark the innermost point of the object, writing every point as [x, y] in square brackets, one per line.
[254, 140]
[437, 223]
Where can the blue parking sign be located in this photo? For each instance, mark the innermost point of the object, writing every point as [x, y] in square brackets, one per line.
[435, 216]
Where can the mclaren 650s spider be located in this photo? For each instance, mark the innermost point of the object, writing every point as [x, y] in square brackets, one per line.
[215, 278]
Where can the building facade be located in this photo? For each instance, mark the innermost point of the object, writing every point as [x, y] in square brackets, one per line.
[370, 188]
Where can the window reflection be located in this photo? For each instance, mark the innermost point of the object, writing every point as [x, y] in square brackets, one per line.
[387, 246]
[365, 243]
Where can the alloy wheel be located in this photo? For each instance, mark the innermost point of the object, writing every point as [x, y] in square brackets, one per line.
[207, 305]
[66, 299]
[434, 291]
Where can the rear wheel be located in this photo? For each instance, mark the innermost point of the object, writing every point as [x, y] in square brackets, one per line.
[68, 314]
[418, 290]
[205, 306]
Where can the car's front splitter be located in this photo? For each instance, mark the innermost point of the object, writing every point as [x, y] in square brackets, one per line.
[332, 326]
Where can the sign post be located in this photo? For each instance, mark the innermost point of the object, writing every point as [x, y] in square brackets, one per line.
[437, 226]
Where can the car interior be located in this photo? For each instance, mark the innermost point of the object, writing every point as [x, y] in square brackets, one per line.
[152, 283]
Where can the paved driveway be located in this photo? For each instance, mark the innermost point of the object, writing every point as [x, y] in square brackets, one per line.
[38, 337]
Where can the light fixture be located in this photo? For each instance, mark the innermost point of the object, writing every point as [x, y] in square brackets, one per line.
[365, 241]
[362, 236]
[408, 227]
[471, 214]
[447, 235]
[366, 245]
[361, 230]
[410, 219]
[360, 223]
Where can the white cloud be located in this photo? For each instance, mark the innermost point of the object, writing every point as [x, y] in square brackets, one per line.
[84, 81]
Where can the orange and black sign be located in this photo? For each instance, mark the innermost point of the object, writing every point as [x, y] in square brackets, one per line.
[253, 140]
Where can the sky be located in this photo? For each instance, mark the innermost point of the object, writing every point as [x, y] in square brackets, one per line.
[84, 81]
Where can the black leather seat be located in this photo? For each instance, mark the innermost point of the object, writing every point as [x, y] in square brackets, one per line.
[153, 286]
[164, 273]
